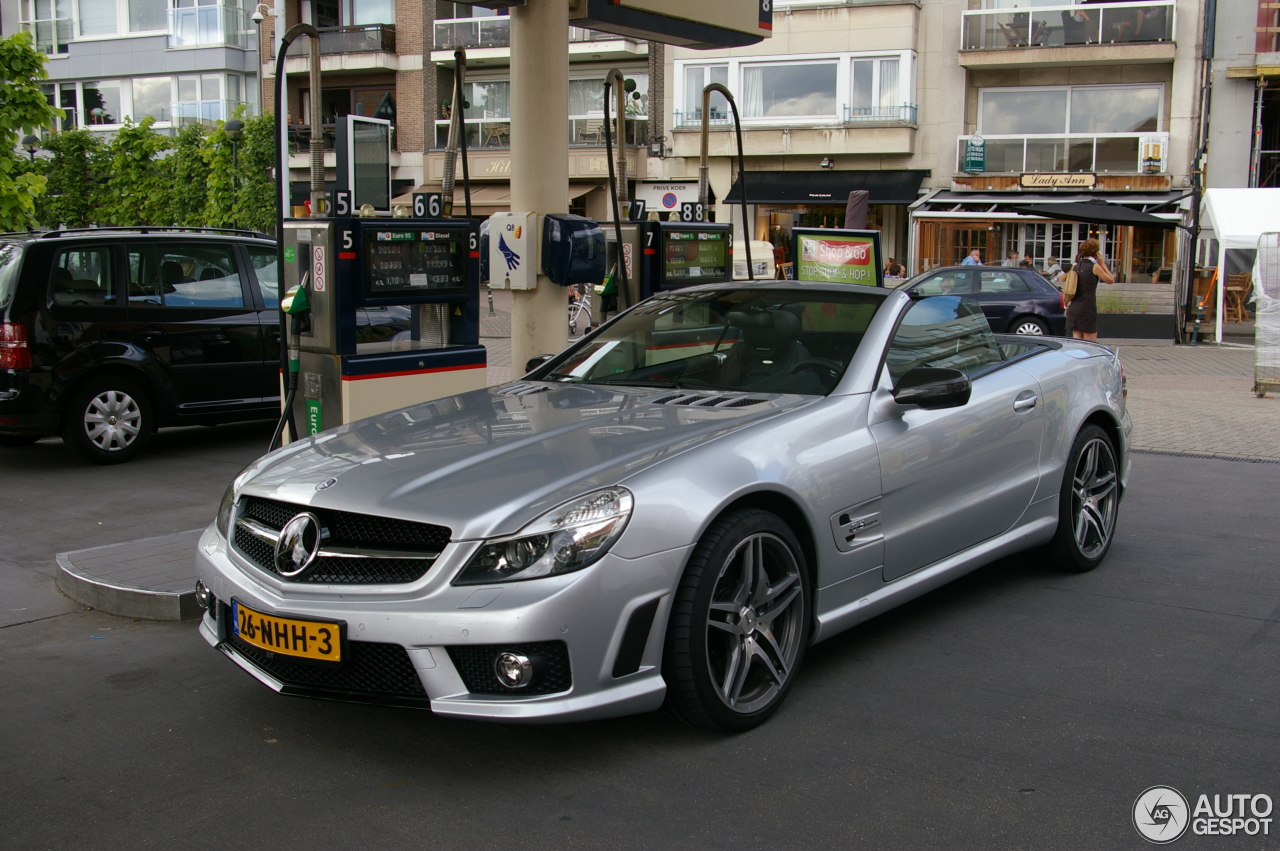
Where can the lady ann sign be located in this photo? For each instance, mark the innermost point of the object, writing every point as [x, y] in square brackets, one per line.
[843, 256]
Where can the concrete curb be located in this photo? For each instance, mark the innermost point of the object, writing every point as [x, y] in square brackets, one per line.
[123, 600]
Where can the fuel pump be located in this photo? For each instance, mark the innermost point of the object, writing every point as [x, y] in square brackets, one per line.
[682, 254]
[392, 315]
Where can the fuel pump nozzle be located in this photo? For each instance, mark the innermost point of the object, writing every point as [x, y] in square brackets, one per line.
[296, 304]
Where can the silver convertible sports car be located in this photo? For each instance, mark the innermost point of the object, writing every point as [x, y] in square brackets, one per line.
[667, 512]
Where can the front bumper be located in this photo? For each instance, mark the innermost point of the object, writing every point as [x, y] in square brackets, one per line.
[589, 611]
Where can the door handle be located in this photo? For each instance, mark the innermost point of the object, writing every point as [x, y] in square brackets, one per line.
[1025, 403]
[149, 336]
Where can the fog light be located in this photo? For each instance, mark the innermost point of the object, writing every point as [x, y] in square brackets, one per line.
[202, 595]
[514, 670]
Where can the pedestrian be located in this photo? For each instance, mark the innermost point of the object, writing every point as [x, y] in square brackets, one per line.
[974, 258]
[1051, 268]
[1025, 263]
[1082, 313]
[888, 264]
[1012, 261]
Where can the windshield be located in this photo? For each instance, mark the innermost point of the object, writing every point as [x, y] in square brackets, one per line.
[10, 255]
[754, 340]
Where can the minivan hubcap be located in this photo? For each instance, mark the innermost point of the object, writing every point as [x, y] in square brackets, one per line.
[113, 420]
[755, 623]
[1093, 498]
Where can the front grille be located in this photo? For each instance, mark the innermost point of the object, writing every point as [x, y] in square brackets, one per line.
[475, 665]
[354, 531]
[370, 670]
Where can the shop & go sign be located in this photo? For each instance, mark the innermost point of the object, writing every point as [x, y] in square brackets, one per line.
[843, 256]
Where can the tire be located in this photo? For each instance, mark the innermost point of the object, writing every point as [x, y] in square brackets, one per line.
[17, 441]
[1088, 503]
[108, 420]
[1029, 326]
[732, 617]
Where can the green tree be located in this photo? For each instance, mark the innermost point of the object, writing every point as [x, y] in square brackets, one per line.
[23, 110]
[140, 187]
[187, 169]
[75, 178]
[219, 211]
[256, 193]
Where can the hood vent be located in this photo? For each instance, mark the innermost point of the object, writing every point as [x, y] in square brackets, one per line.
[521, 389]
[704, 400]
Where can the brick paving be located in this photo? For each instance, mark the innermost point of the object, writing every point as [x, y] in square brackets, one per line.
[1198, 400]
[495, 336]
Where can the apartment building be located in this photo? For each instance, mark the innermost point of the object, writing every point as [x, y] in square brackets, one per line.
[116, 60]
[395, 58]
[952, 113]
[1244, 117]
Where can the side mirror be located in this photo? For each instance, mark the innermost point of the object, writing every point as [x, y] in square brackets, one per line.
[933, 388]
[536, 361]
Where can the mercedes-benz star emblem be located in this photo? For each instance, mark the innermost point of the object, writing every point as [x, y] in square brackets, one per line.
[298, 544]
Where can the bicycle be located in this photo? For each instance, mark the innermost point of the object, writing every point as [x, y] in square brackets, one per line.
[578, 308]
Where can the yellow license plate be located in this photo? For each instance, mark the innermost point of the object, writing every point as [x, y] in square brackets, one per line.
[304, 639]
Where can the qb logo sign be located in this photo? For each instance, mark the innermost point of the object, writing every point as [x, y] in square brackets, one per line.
[1160, 814]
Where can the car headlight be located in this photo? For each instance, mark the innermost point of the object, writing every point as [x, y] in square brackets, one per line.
[567, 538]
[226, 509]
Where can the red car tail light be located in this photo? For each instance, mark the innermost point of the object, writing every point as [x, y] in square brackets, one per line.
[14, 352]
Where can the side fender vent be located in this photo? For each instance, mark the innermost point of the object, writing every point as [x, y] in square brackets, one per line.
[521, 389]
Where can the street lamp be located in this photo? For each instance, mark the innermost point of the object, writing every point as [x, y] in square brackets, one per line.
[31, 144]
[234, 129]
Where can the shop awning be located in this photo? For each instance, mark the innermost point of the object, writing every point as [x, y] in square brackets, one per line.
[828, 187]
[1094, 211]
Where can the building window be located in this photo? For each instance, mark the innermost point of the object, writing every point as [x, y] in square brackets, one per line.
[698, 77]
[1093, 110]
[815, 89]
[98, 17]
[49, 22]
[789, 89]
[151, 98]
[102, 102]
[146, 15]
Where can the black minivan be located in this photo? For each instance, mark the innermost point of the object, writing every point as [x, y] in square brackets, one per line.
[107, 334]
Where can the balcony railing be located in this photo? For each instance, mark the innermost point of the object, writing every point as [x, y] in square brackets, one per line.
[1119, 153]
[300, 138]
[50, 37]
[209, 26]
[373, 38]
[205, 112]
[494, 31]
[903, 114]
[1070, 25]
[496, 132]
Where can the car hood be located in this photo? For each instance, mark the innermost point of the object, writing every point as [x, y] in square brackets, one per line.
[487, 462]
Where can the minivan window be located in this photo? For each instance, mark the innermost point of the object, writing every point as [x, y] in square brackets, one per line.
[10, 260]
[184, 276]
[82, 278]
[263, 261]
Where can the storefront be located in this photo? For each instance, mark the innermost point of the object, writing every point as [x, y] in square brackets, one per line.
[947, 225]
[781, 200]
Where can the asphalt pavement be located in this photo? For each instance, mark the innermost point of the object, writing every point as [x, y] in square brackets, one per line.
[1016, 708]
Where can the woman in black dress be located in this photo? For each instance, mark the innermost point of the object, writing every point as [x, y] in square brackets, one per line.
[1082, 313]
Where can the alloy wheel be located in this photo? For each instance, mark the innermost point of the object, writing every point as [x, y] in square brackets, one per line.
[1094, 498]
[755, 624]
[1030, 329]
[112, 420]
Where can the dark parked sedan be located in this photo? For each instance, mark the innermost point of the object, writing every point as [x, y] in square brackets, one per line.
[1015, 301]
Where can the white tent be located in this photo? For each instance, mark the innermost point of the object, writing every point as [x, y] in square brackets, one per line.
[1238, 218]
